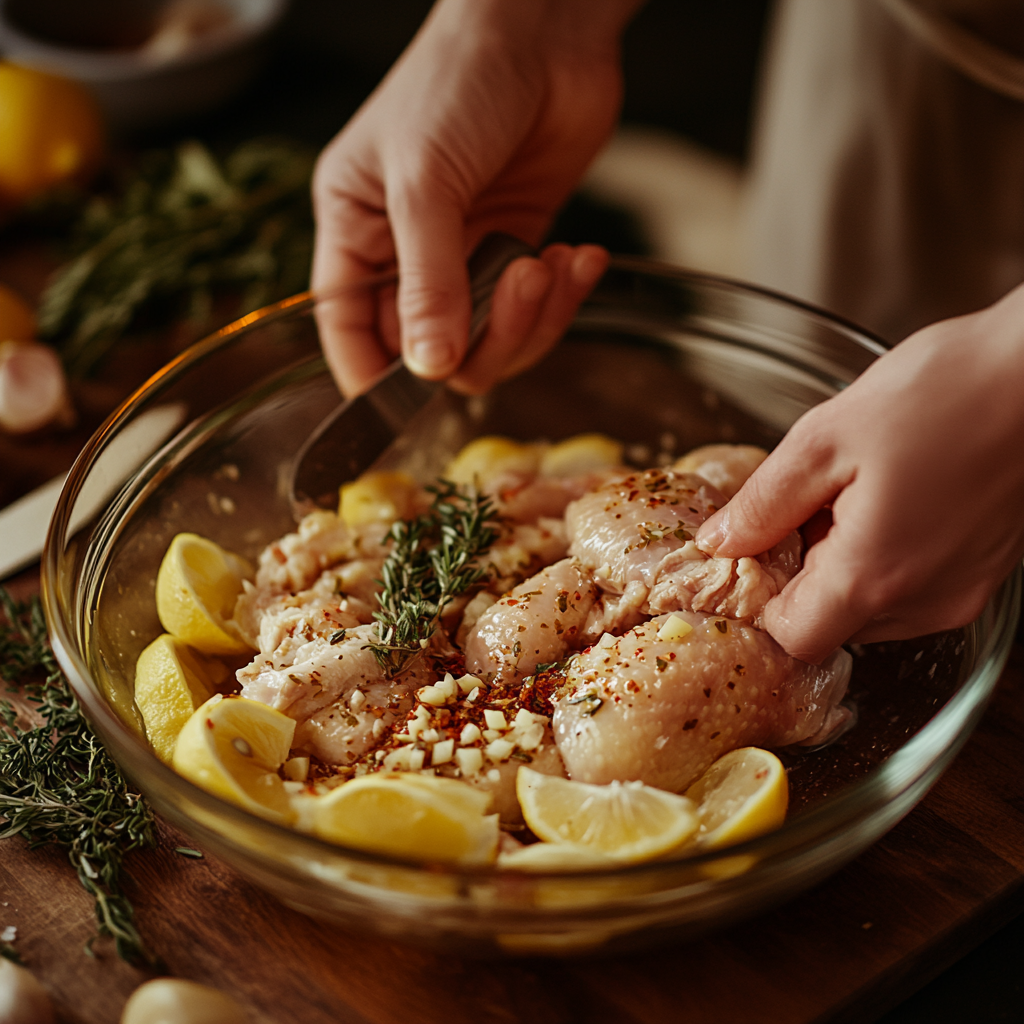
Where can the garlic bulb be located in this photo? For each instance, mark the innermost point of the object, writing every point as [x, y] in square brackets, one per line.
[23, 1000]
[33, 391]
[174, 1001]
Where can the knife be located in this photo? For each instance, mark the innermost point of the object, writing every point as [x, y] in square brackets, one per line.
[354, 436]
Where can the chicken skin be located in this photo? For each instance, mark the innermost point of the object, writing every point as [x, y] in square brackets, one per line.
[659, 707]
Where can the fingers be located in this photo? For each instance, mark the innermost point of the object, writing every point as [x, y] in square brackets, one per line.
[534, 303]
[433, 285]
[796, 481]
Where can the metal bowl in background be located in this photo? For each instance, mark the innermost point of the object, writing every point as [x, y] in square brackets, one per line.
[143, 67]
[663, 359]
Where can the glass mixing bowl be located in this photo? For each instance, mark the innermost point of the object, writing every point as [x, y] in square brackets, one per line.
[664, 360]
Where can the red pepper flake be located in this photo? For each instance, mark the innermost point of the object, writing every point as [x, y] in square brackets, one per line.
[721, 625]
[209, 724]
[707, 691]
[715, 735]
[691, 724]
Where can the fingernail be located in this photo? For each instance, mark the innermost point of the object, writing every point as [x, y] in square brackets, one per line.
[712, 533]
[533, 282]
[587, 265]
[430, 357]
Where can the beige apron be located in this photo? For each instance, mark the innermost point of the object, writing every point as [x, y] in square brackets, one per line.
[888, 168]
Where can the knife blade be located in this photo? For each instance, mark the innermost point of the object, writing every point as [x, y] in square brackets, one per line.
[355, 435]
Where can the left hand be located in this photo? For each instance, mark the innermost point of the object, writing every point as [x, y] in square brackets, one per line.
[921, 461]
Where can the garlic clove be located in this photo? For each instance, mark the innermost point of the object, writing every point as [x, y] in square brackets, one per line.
[23, 1000]
[175, 1001]
[33, 390]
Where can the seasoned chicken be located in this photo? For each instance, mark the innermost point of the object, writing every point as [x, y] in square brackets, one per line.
[659, 704]
[635, 533]
[539, 621]
[727, 466]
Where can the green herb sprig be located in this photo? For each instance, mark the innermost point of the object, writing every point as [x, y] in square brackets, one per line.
[432, 560]
[58, 784]
[183, 228]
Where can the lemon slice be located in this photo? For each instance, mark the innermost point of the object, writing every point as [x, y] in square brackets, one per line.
[582, 453]
[421, 817]
[744, 794]
[625, 820]
[378, 497]
[486, 458]
[196, 590]
[233, 748]
[170, 683]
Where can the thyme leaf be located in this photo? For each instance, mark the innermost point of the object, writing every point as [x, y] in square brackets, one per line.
[59, 785]
[432, 560]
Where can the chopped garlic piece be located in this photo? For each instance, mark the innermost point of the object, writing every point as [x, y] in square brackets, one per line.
[407, 759]
[470, 733]
[467, 683]
[495, 719]
[296, 769]
[356, 700]
[442, 752]
[430, 735]
[607, 640]
[470, 760]
[448, 686]
[674, 628]
[499, 750]
[432, 695]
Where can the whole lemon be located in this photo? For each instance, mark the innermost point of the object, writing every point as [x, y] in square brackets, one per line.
[17, 320]
[51, 131]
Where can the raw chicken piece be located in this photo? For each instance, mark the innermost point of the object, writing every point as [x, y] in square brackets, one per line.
[523, 549]
[662, 710]
[312, 680]
[727, 466]
[635, 533]
[539, 621]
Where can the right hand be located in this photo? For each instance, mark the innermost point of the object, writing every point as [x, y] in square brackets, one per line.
[486, 123]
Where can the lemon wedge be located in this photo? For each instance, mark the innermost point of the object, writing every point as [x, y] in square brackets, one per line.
[170, 683]
[486, 458]
[625, 820]
[582, 453]
[196, 590]
[377, 498]
[404, 814]
[233, 748]
[744, 794]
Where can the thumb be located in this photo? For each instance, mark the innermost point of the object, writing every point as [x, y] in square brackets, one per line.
[433, 284]
[789, 487]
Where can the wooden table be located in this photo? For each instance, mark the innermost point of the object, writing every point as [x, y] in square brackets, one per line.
[929, 891]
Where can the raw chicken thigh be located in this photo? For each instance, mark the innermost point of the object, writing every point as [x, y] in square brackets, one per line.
[660, 703]
[635, 533]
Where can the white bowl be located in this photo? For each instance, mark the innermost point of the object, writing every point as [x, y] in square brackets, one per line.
[138, 86]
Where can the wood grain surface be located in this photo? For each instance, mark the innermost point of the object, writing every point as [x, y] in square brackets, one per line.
[935, 886]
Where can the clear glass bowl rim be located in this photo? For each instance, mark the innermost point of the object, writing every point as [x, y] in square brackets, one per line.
[857, 802]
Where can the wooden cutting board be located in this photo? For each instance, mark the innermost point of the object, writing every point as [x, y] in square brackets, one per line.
[929, 891]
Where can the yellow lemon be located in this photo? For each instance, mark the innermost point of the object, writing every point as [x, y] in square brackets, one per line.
[377, 498]
[196, 590]
[625, 820]
[17, 320]
[743, 794]
[486, 458]
[233, 748]
[170, 683]
[51, 131]
[421, 817]
[584, 453]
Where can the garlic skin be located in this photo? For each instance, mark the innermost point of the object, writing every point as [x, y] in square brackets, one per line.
[33, 390]
[175, 1001]
[23, 1000]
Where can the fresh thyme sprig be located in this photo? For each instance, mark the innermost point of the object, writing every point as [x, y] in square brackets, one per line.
[184, 228]
[432, 560]
[58, 784]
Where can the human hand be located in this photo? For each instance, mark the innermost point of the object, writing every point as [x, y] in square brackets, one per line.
[921, 460]
[486, 123]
